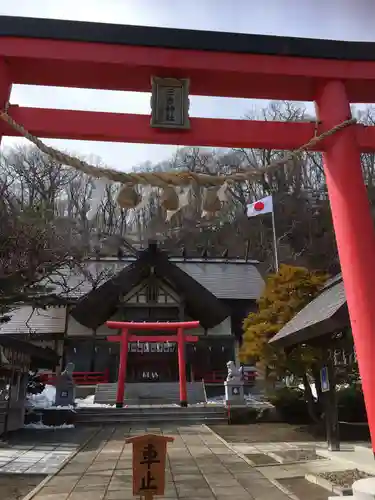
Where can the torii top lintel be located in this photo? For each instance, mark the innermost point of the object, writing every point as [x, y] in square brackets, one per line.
[113, 57]
[95, 55]
[162, 325]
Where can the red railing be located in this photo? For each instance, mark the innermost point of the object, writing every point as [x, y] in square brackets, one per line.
[219, 377]
[80, 378]
[94, 378]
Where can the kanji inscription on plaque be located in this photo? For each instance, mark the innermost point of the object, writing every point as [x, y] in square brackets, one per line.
[149, 456]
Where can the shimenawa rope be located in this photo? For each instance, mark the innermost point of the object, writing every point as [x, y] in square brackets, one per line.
[163, 179]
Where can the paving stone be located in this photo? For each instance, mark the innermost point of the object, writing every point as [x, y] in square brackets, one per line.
[199, 467]
[54, 490]
[116, 495]
[52, 496]
[89, 495]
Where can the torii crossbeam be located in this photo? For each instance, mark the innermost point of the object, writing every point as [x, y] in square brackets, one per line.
[125, 337]
[124, 58]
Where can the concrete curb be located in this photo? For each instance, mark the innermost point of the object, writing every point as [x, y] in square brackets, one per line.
[327, 485]
[282, 461]
[346, 460]
[245, 459]
[47, 479]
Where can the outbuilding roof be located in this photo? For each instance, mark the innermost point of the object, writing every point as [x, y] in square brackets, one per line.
[325, 314]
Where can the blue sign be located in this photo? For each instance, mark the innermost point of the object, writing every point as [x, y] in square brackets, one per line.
[324, 379]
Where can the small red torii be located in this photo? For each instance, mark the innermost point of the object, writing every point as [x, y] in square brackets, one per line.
[125, 337]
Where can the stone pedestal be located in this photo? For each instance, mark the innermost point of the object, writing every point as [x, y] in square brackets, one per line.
[65, 387]
[234, 393]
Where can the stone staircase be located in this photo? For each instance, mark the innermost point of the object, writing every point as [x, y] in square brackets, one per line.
[134, 415]
[158, 393]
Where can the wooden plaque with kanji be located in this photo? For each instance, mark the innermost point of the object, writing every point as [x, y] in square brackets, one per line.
[149, 456]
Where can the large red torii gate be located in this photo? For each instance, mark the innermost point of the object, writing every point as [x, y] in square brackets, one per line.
[125, 337]
[331, 73]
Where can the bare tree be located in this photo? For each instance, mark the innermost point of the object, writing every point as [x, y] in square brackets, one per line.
[36, 184]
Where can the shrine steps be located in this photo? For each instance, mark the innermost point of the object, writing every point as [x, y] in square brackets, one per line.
[151, 393]
[134, 415]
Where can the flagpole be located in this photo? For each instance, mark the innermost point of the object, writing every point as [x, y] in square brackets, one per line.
[275, 241]
[265, 206]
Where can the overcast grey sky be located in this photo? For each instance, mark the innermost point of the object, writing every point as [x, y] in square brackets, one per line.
[333, 19]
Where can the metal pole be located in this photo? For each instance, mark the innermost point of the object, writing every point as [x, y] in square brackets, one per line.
[275, 242]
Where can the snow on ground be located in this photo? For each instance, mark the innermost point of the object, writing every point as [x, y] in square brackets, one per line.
[254, 400]
[88, 402]
[45, 399]
[40, 425]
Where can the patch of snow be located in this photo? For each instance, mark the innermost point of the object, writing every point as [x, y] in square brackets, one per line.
[40, 425]
[45, 399]
[88, 402]
[253, 400]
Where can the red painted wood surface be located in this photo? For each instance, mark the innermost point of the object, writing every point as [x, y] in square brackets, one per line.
[124, 339]
[80, 378]
[121, 67]
[5, 87]
[219, 376]
[152, 326]
[355, 235]
[152, 338]
[121, 127]
[332, 83]
[94, 378]
[124, 343]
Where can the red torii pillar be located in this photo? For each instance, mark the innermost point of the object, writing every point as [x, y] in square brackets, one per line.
[5, 88]
[124, 338]
[354, 230]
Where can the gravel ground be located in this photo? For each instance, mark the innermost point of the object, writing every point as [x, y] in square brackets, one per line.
[344, 478]
[298, 455]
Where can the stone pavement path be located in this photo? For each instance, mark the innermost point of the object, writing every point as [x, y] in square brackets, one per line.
[200, 467]
[40, 452]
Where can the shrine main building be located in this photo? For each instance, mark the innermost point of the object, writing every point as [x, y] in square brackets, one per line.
[219, 293]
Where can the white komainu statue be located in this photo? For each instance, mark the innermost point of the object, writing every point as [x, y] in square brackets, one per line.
[68, 372]
[234, 373]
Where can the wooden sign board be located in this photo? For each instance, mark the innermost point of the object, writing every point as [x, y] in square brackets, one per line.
[170, 103]
[149, 457]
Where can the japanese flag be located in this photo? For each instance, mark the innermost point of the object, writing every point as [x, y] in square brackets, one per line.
[260, 207]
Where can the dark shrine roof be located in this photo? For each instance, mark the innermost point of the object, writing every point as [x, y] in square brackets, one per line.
[44, 357]
[99, 304]
[184, 39]
[235, 279]
[325, 314]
